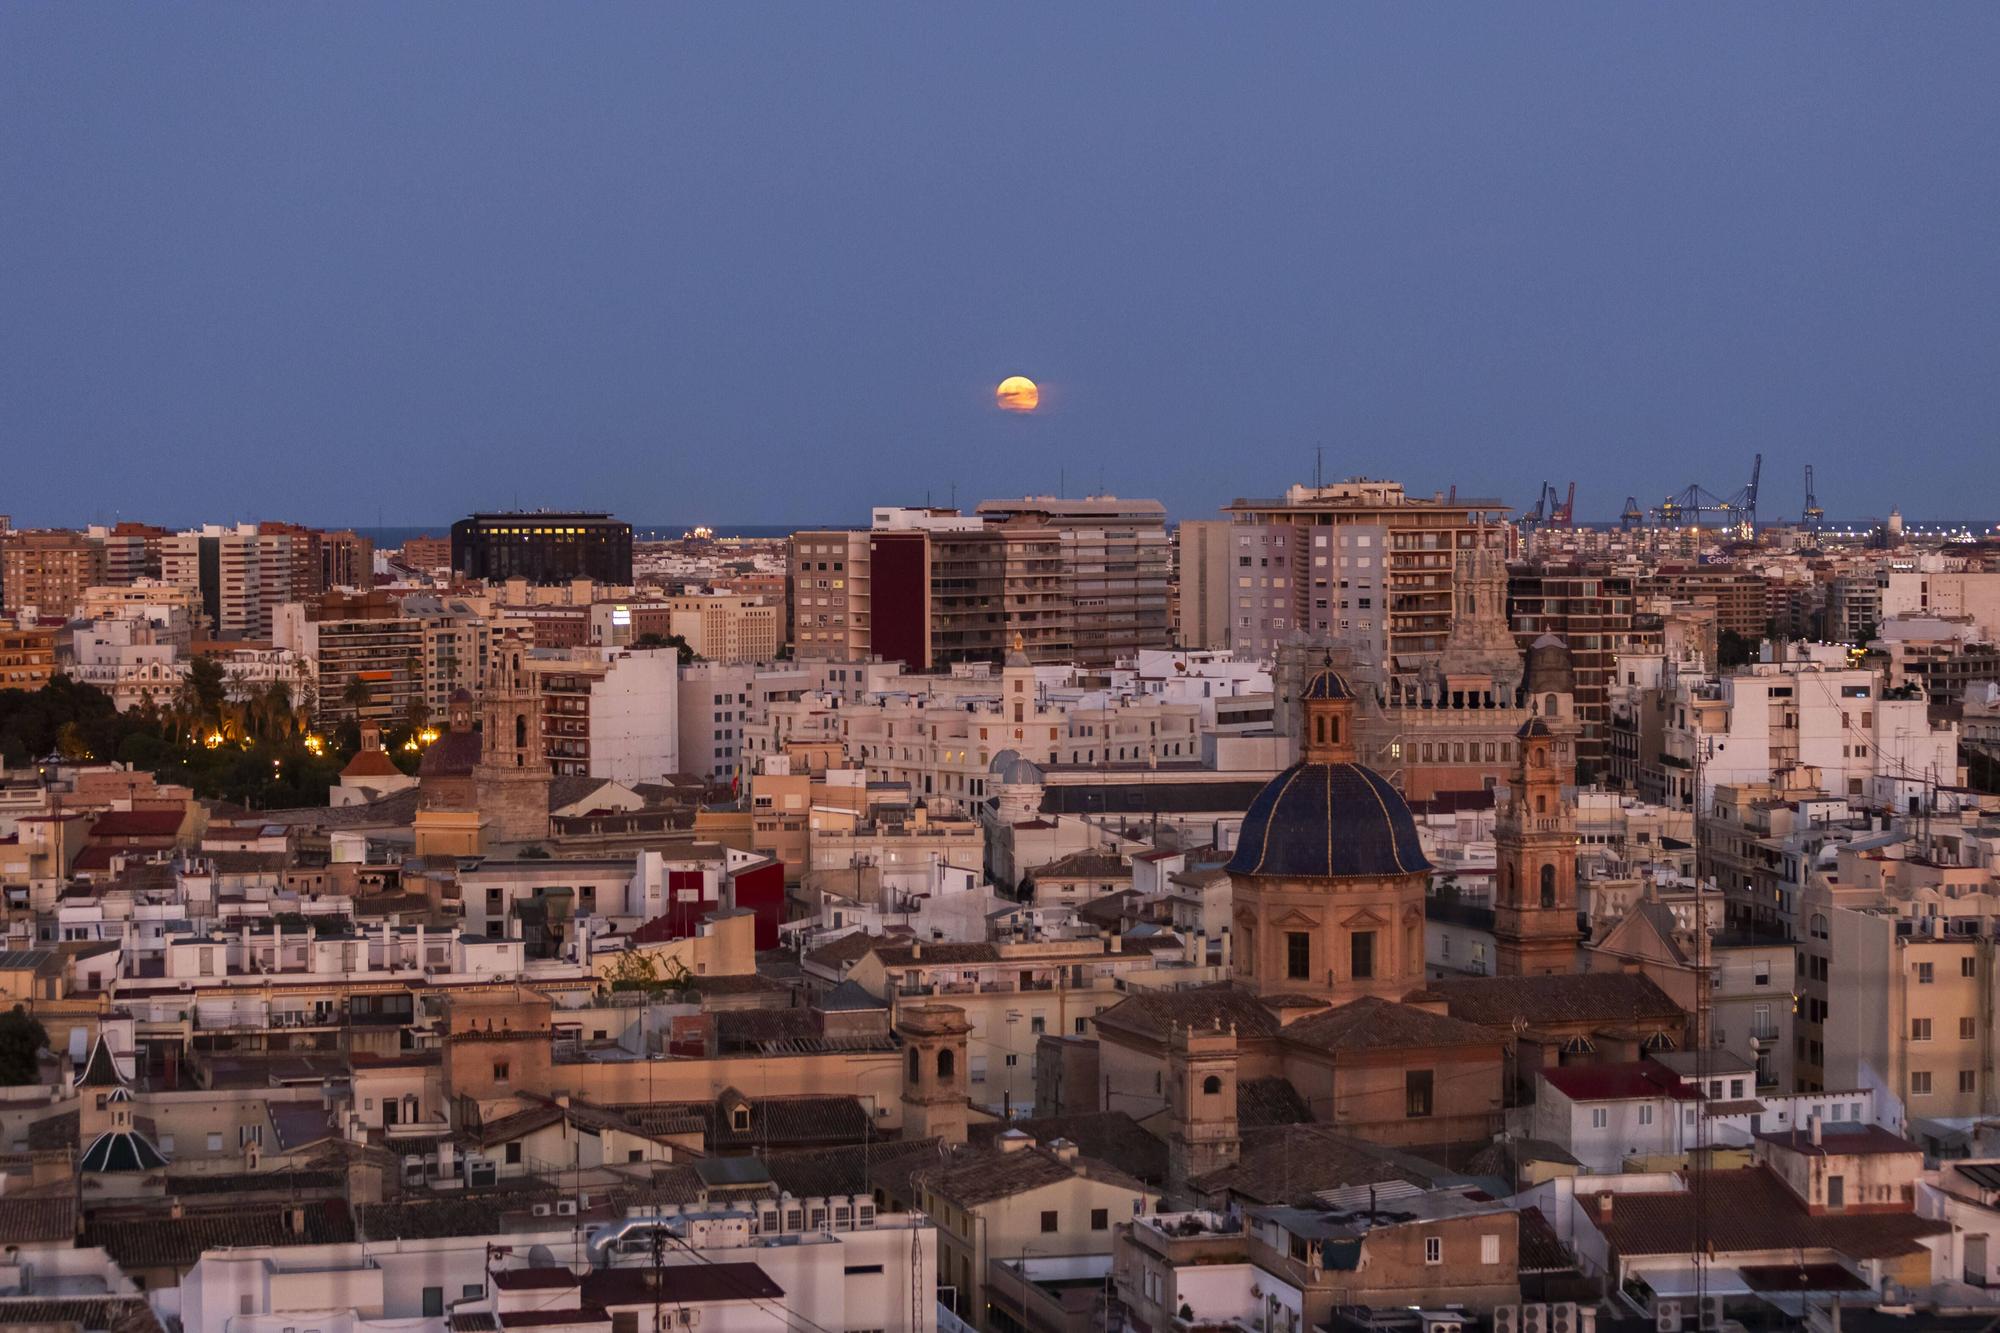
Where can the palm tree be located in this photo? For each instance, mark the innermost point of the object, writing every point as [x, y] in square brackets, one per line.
[277, 708]
[357, 696]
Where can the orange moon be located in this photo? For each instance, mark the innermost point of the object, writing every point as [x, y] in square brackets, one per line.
[1017, 393]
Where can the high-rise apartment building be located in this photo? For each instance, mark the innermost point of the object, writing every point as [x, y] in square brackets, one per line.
[1596, 615]
[48, 571]
[367, 654]
[1741, 597]
[1064, 580]
[1114, 568]
[543, 546]
[1361, 563]
[1204, 584]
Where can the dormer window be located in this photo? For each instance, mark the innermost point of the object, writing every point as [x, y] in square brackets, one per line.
[739, 1119]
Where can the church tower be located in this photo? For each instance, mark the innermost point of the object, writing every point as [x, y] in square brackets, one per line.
[512, 777]
[1201, 1064]
[1534, 834]
[934, 1071]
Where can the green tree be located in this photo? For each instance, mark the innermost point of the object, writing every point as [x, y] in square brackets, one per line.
[679, 642]
[356, 696]
[209, 687]
[21, 1043]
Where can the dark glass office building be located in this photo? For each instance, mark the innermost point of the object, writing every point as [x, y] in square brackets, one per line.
[542, 547]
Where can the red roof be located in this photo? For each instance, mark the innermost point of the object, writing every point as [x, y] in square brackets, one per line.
[1842, 1141]
[137, 824]
[1610, 1083]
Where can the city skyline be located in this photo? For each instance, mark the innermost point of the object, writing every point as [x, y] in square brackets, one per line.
[1485, 251]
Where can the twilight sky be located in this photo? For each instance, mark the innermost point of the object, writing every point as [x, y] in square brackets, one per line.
[765, 263]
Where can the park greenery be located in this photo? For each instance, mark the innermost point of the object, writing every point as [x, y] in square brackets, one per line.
[258, 746]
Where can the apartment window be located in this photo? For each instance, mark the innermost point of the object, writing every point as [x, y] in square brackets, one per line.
[1968, 1080]
[1298, 955]
[1926, 974]
[1599, 1117]
[434, 1302]
[1968, 966]
[1418, 1086]
[1433, 1249]
[1645, 1115]
[1920, 1083]
[1048, 1222]
[1761, 973]
[1920, 1029]
[500, 1071]
[1489, 1249]
[1100, 1219]
[1967, 1029]
[513, 1154]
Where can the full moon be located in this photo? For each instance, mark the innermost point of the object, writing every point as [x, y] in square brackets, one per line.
[1017, 393]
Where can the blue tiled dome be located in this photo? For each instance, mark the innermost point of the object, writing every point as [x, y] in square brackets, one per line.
[1328, 821]
[1326, 683]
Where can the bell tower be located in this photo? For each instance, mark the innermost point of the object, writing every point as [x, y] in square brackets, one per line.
[1201, 1065]
[935, 1076]
[512, 777]
[1328, 718]
[1534, 835]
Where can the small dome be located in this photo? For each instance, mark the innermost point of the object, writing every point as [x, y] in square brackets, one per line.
[1010, 769]
[1534, 726]
[1328, 821]
[1326, 683]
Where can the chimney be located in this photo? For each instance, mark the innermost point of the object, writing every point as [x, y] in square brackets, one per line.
[1117, 943]
[1813, 1125]
[1604, 1198]
[1014, 1141]
[1064, 1149]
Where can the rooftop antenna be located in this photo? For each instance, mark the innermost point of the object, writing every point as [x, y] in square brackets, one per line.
[1319, 465]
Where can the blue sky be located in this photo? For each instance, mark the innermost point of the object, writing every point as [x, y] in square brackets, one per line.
[760, 263]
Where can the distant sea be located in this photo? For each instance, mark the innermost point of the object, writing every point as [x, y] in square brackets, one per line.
[645, 532]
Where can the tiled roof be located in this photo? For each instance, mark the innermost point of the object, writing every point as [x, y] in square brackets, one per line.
[101, 1071]
[1843, 1141]
[1541, 1249]
[157, 1243]
[856, 1169]
[846, 949]
[1604, 1083]
[137, 824]
[1751, 1210]
[1084, 865]
[1588, 997]
[903, 955]
[453, 754]
[1293, 1163]
[371, 764]
[25, 1221]
[1372, 1023]
[1108, 1136]
[473, 1214]
[92, 1314]
[1328, 821]
[1264, 1102]
[1153, 1014]
[52, 1132]
[973, 1177]
[773, 1120]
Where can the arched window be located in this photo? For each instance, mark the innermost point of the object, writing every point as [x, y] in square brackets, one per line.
[520, 731]
[1548, 886]
[916, 1069]
[1549, 705]
[947, 1065]
[1211, 1085]
[1541, 804]
[1333, 725]
[1319, 730]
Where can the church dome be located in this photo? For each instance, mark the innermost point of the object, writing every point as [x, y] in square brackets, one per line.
[1551, 667]
[1010, 768]
[1326, 683]
[1328, 821]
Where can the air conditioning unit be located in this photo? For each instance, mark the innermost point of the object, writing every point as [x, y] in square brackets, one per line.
[1535, 1318]
[686, 1318]
[1711, 1314]
[1506, 1319]
[565, 1207]
[540, 1210]
[1562, 1317]
[1667, 1317]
